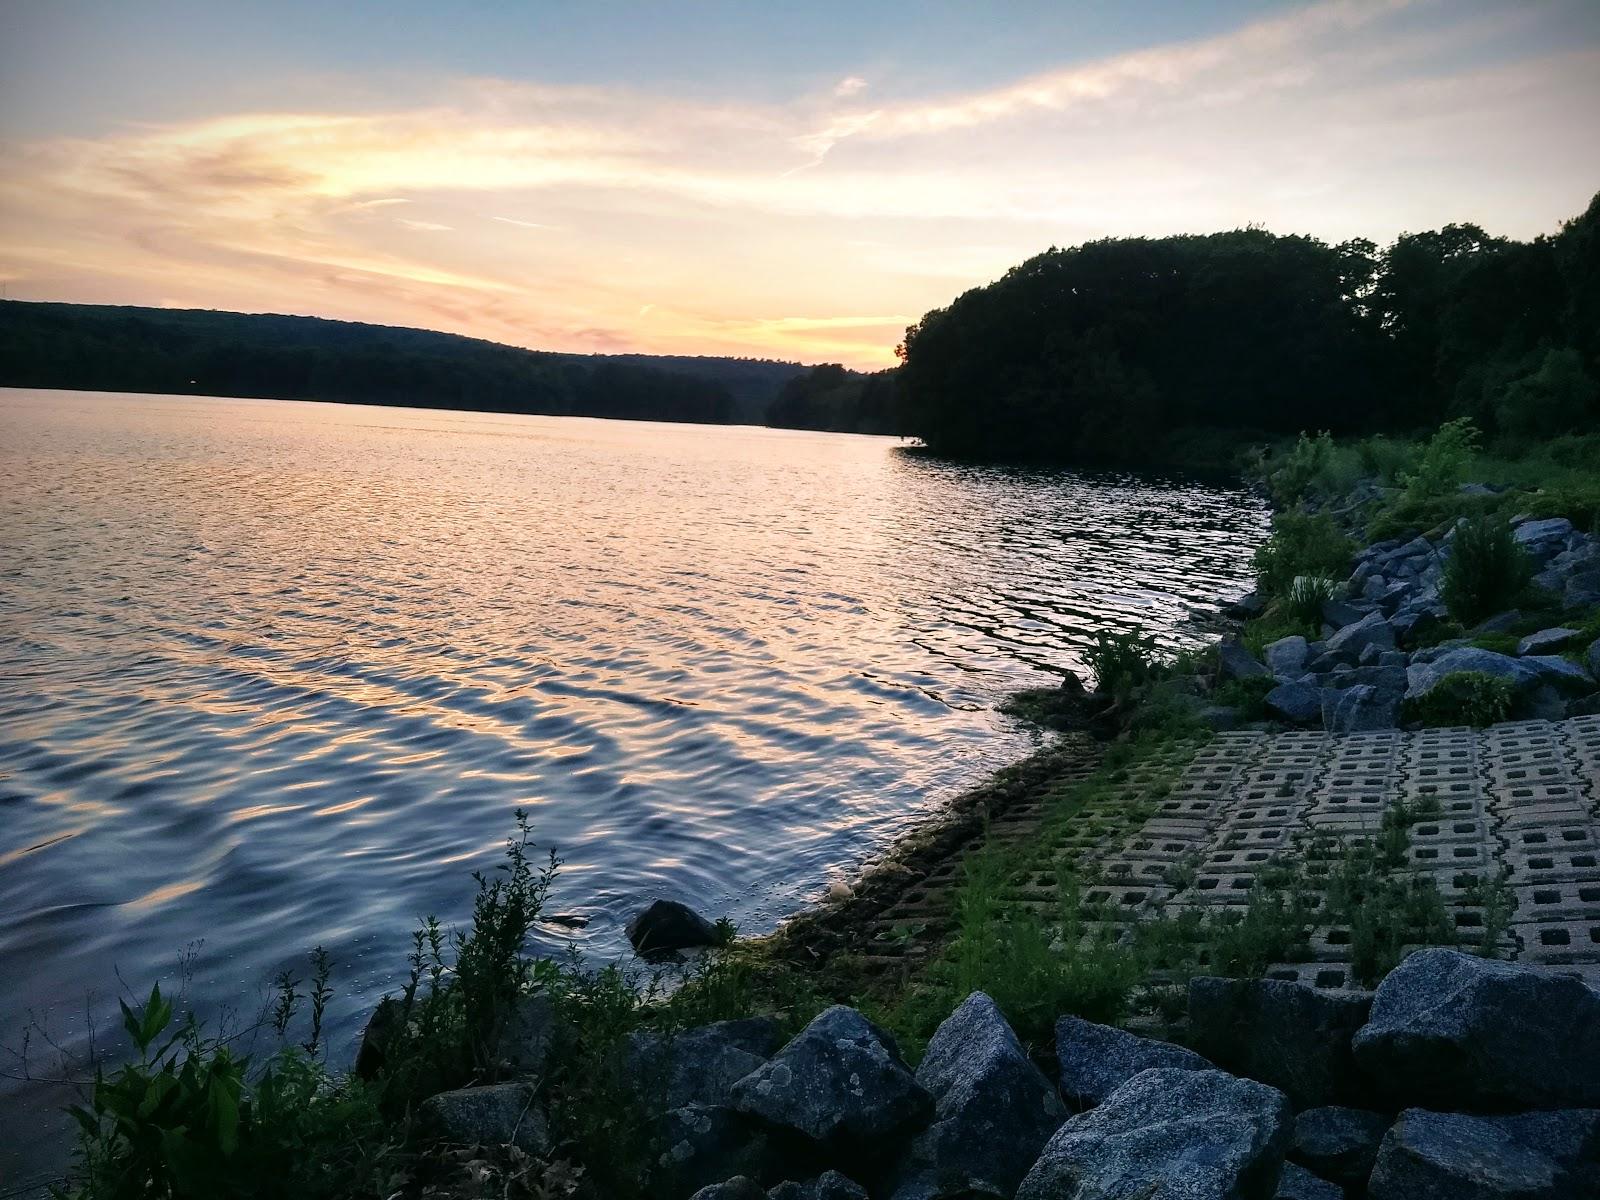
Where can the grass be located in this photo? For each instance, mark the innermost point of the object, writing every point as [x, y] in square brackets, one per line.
[1465, 698]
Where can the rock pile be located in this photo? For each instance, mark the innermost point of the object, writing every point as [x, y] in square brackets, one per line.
[1369, 659]
[1459, 1077]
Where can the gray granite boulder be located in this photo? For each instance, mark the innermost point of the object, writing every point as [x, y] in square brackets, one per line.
[1287, 656]
[1558, 672]
[703, 1143]
[1337, 1143]
[1371, 630]
[527, 1037]
[1296, 703]
[1096, 1060]
[830, 1185]
[700, 1066]
[1424, 674]
[1570, 1136]
[1591, 658]
[1291, 1036]
[840, 1082]
[740, 1187]
[1454, 1030]
[1168, 1134]
[1543, 539]
[993, 1109]
[503, 1114]
[1235, 662]
[665, 925]
[1359, 709]
[1548, 641]
[1452, 1156]
[1297, 1183]
[1342, 613]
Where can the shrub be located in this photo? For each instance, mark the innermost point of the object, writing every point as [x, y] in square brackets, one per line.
[1313, 466]
[186, 1122]
[1445, 459]
[1466, 698]
[1556, 397]
[1121, 660]
[1301, 544]
[1386, 459]
[1486, 572]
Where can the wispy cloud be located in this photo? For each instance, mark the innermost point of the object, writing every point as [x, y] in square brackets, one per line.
[787, 228]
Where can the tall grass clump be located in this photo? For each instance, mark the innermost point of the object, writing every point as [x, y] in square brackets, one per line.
[1122, 660]
[1301, 544]
[1303, 603]
[1487, 572]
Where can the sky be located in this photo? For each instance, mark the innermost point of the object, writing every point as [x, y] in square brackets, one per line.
[795, 181]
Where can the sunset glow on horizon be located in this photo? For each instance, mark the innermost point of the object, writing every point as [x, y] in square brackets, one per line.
[736, 205]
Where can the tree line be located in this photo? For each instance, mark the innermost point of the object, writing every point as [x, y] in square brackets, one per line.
[201, 352]
[1125, 348]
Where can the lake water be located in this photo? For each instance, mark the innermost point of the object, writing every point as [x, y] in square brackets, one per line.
[277, 674]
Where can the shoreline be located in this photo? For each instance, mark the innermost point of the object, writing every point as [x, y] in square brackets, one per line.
[1201, 855]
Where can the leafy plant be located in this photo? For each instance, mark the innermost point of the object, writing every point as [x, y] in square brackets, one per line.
[185, 1122]
[1301, 544]
[1445, 459]
[1486, 572]
[1121, 660]
[1465, 698]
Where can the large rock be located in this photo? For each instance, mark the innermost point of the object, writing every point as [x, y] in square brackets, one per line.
[665, 925]
[1591, 658]
[1560, 673]
[1096, 1059]
[993, 1109]
[740, 1187]
[527, 1036]
[1548, 641]
[830, 1185]
[1451, 1156]
[1359, 709]
[1168, 1134]
[1287, 656]
[1352, 639]
[1287, 1034]
[1543, 540]
[500, 1115]
[703, 1143]
[1297, 1183]
[1296, 703]
[1571, 1136]
[1235, 662]
[840, 1082]
[1454, 1030]
[700, 1066]
[1423, 676]
[1338, 1143]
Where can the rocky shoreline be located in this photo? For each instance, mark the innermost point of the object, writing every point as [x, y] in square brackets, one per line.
[1455, 1076]
[1459, 1077]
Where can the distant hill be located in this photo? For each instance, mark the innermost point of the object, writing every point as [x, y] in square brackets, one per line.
[204, 352]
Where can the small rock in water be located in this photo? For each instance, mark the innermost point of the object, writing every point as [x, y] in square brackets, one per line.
[667, 925]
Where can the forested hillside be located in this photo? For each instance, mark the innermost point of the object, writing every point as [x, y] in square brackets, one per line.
[109, 348]
[1125, 348]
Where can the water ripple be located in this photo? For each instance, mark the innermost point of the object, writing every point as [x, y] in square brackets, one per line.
[277, 674]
